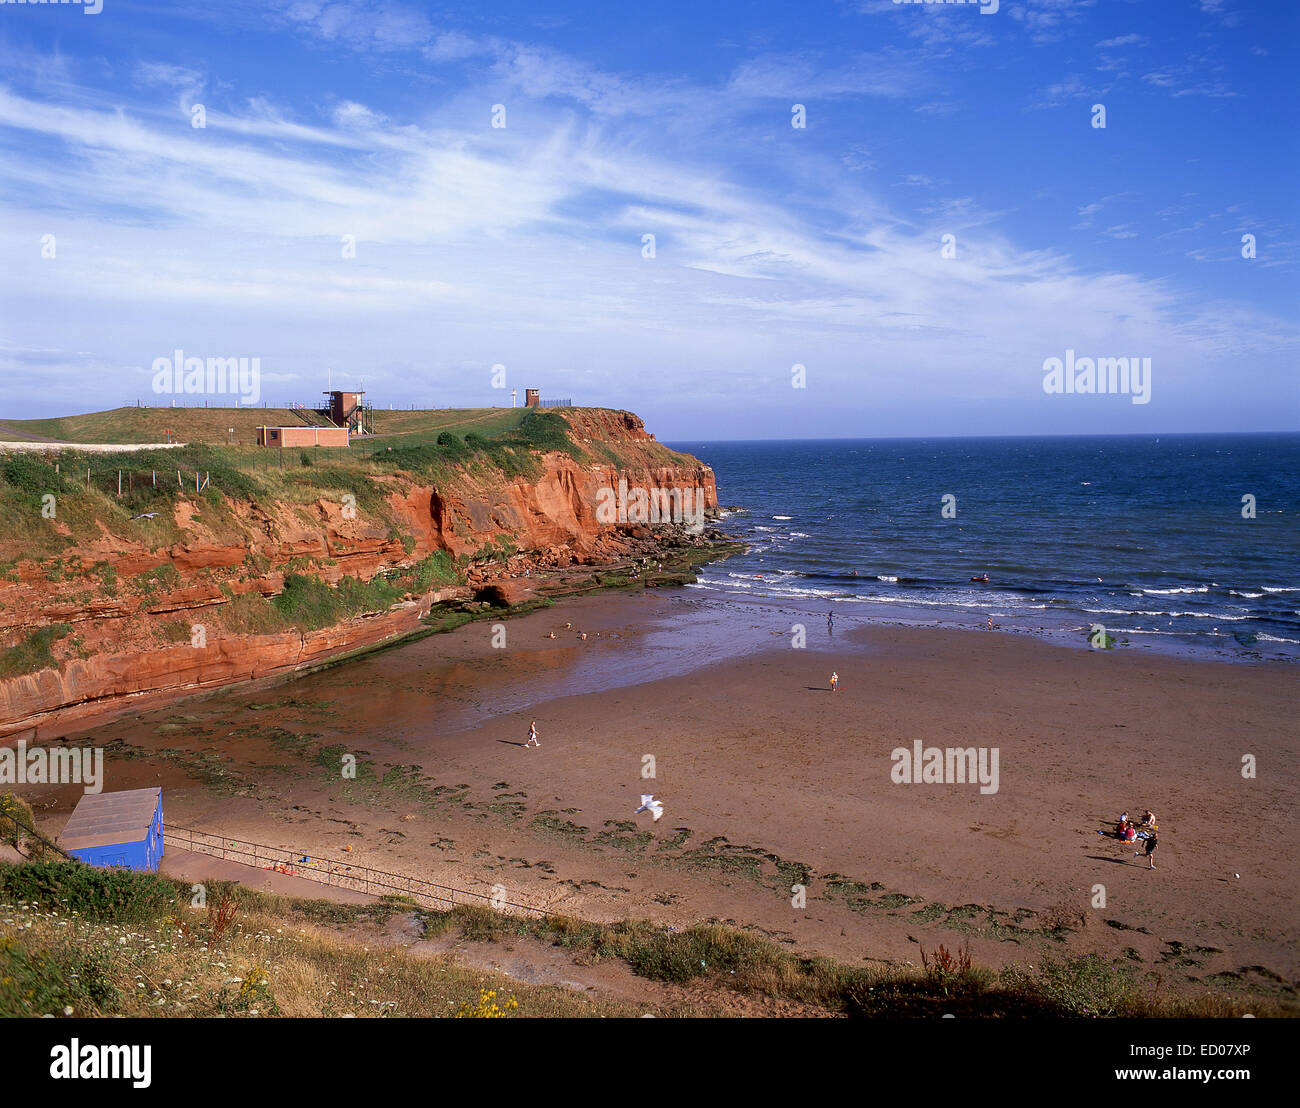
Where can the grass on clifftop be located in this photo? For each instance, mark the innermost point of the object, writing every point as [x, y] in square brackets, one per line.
[213, 425]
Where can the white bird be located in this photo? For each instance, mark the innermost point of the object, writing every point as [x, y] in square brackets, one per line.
[651, 805]
[145, 515]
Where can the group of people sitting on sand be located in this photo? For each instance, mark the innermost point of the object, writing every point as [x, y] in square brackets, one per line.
[1127, 831]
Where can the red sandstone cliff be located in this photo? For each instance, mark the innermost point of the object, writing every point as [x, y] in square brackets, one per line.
[123, 647]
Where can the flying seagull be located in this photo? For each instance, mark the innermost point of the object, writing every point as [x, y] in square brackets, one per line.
[145, 515]
[650, 804]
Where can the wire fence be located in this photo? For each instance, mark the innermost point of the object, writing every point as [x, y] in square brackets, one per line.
[119, 482]
[565, 403]
[329, 871]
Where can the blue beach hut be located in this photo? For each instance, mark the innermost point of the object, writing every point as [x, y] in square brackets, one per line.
[117, 829]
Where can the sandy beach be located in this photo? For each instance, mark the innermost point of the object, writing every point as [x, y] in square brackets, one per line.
[770, 781]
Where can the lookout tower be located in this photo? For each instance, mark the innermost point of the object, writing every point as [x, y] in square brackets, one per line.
[345, 409]
[532, 398]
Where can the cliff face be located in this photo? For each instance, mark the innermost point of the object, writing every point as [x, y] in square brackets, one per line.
[573, 510]
[122, 644]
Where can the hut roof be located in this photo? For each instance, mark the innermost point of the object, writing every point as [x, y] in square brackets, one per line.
[102, 819]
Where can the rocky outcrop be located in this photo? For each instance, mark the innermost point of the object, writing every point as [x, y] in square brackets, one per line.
[504, 533]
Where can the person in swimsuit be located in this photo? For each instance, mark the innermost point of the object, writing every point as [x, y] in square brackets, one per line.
[532, 735]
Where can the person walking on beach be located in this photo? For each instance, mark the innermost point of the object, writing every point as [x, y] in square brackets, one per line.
[835, 681]
[830, 621]
[532, 735]
[1151, 845]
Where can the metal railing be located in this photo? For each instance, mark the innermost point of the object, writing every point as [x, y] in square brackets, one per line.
[330, 871]
[12, 826]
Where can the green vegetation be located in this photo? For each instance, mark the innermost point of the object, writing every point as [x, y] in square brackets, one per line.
[30, 476]
[240, 954]
[82, 941]
[14, 810]
[161, 578]
[1085, 986]
[33, 653]
[511, 451]
[308, 603]
[118, 895]
[748, 963]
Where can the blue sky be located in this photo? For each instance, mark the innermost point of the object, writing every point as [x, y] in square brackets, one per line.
[775, 246]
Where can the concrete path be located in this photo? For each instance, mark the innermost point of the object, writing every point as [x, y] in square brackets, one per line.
[90, 447]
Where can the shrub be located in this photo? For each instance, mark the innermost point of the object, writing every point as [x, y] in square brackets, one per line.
[118, 895]
[1083, 986]
[307, 602]
[31, 475]
[943, 966]
[545, 431]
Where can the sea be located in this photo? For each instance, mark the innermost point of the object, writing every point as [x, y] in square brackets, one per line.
[1173, 543]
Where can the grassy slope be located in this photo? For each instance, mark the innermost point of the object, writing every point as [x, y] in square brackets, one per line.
[82, 941]
[132, 944]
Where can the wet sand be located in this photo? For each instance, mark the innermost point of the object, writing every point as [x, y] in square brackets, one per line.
[771, 781]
